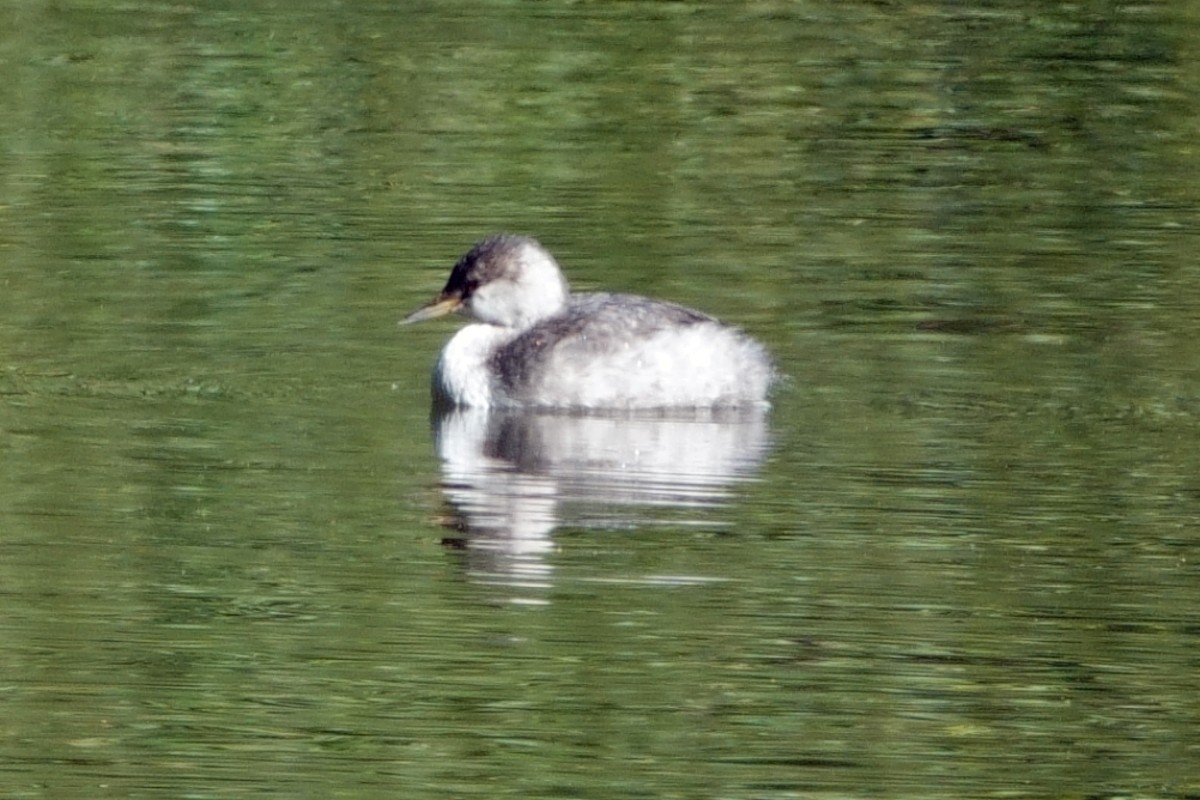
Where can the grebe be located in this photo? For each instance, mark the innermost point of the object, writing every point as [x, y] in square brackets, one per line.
[534, 344]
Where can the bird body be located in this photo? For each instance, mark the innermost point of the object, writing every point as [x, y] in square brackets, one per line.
[535, 345]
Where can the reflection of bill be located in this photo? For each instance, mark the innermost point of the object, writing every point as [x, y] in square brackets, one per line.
[512, 477]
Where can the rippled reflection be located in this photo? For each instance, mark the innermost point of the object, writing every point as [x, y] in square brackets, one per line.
[511, 477]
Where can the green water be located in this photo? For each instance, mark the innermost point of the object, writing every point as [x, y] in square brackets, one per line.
[958, 558]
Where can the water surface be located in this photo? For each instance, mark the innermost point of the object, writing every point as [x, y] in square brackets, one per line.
[957, 559]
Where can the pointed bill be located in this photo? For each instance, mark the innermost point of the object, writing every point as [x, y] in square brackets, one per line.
[440, 307]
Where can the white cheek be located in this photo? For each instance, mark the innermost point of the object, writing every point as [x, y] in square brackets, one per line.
[518, 304]
[494, 304]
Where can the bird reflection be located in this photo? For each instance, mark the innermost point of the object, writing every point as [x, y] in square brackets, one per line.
[511, 477]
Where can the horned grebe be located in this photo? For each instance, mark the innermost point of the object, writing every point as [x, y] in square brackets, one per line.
[536, 345]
